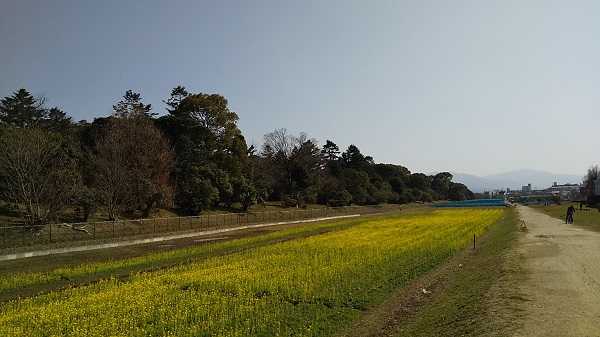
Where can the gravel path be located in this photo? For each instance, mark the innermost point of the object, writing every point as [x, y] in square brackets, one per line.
[561, 288]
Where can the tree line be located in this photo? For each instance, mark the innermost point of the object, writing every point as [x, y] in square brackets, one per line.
[191, 158]
[588, 190]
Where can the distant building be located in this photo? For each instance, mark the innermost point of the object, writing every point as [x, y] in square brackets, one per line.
[565, 191]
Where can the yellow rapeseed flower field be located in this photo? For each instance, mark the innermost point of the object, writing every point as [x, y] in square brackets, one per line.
[306, 287]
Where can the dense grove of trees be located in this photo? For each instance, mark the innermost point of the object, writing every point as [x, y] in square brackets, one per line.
[191, 158]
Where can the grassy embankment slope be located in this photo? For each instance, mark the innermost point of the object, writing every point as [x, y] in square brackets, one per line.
[9, 215]
[588, 217]
[311, 286]
[465, 294]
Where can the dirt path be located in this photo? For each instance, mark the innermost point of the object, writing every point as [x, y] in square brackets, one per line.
[561, 290]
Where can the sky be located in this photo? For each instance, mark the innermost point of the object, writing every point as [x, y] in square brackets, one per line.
[478, 87]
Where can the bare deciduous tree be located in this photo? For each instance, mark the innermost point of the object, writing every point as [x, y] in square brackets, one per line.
[280, 142]
[132, 165]
[35, 173]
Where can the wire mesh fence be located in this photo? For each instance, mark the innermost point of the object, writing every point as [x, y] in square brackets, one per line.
[16, 236]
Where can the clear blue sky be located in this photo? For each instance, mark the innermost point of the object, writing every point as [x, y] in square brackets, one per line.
[468, 86]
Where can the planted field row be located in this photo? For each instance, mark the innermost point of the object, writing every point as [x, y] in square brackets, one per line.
[311, 286]
[13, 284]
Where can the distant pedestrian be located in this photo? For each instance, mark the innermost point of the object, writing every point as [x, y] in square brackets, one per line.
[570, 213]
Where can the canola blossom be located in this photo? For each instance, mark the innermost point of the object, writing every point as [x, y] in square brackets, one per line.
[311, 286]
[22, 280]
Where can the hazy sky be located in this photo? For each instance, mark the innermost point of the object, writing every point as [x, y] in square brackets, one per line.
[469, 86]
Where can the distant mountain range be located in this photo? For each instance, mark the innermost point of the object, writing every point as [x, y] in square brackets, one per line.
[514, 180]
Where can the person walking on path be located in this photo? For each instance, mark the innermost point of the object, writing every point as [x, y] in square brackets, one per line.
[570, 212]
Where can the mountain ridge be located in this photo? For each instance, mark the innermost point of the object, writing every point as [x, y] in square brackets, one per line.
[514, 179]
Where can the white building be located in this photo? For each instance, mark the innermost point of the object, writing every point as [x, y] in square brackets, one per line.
[565, 191]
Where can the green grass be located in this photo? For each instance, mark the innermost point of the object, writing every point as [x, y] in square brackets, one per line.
[459, 308]
[311, 286]
[588, 217]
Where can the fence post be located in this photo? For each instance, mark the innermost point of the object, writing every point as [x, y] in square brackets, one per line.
[113, 228]
[93, 229]
[50, 233]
